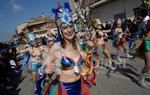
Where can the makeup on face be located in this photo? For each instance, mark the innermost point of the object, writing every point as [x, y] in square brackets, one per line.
[66, 26]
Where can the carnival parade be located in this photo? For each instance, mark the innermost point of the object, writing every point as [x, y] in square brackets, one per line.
[81, 47]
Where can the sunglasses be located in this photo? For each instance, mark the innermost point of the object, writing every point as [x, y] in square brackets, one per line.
[66, 26]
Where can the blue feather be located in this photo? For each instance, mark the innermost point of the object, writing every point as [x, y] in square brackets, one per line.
[66, 5]
[55, 11]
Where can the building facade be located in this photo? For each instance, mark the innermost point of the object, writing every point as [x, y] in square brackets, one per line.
[116, 9]
[37, 25]
[109, 9]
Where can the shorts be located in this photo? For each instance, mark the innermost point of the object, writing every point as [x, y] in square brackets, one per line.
[36, 66]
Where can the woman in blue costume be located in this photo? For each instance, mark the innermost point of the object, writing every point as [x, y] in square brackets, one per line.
[144, 43]
[66, 60]
[35, 59]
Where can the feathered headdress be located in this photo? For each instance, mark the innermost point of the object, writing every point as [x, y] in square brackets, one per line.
[63, 13]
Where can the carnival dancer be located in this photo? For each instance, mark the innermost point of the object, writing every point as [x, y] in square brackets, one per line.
[101, 44]
[79, 26]
[119, 39]
[66, 60]
[36, 60]
[45, 58]
[144, 43]
[88, 41]
[45, 51]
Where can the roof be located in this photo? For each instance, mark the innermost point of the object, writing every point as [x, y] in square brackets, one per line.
[39, 19]
[88, 2]
[20, 27]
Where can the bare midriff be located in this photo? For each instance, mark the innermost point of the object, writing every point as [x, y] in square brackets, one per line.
[68, 76]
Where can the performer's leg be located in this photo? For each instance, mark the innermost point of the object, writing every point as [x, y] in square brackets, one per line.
[98, 57]
[124, 48]
[117, 50]
[34, 77]
[147, 63]
[126, 51]
[35, 67]
[145, 70]
[100, 60]
[108, 55]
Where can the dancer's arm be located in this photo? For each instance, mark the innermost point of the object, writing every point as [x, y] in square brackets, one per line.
[138, 44]
[53, 59]
[25, 50]
[107, 31]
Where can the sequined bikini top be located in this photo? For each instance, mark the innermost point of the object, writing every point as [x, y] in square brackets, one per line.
[67, 62]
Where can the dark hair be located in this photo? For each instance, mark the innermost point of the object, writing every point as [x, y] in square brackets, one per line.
[116, 22]
[148, 26]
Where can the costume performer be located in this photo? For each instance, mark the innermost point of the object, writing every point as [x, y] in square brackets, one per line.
[144, 43]
[100, 35]
[119, 39]
[35, 59]
[67, 61]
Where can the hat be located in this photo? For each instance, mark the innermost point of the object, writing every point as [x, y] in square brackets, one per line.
[97, 23]
[63, 14]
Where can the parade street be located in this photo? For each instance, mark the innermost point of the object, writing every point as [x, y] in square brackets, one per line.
[121, 82]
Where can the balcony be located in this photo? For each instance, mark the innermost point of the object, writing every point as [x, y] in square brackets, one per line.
[44, 28]
[94, 3]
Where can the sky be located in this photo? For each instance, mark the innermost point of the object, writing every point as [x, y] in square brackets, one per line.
[15, 12]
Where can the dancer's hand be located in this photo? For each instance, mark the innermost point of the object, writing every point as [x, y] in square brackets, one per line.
[50, 68]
